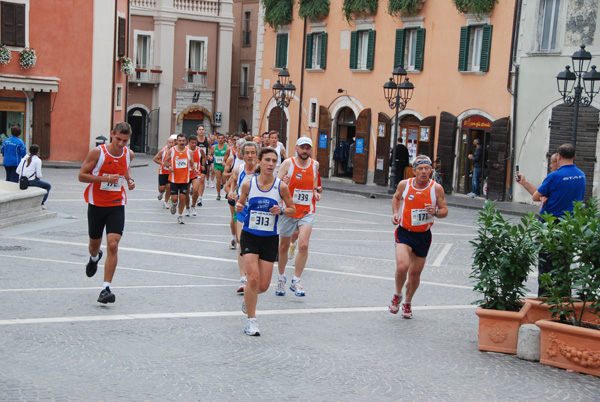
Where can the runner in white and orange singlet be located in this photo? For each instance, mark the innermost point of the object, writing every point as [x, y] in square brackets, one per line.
[195, 175]
[163, 174]
[179, 162]
[106, 168]
[300, 174]
[416, 203]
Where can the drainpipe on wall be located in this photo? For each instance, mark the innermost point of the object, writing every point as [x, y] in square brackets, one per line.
[302, 68]
[115, 40]
[126, 91]
[513, 78]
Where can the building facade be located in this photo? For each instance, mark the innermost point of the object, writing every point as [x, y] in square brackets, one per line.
[457, 62]
[542, 121]
[75, 90]
[243, 64]
[182, 54]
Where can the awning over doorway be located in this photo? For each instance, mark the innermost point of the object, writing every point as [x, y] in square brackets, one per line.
[29, 83]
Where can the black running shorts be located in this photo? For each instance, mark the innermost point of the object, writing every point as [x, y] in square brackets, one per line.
[163, 179]
[419, 242]
[267, 247]
[180, 188]
[113, 218]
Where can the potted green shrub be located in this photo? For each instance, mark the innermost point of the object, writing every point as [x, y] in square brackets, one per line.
[278, 12]
[503, 256]
[352, 8]
[571, 340]
[314, 9]
[476, 7]
[404, 7]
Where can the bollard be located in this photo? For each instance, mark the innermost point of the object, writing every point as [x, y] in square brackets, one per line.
[529, 343]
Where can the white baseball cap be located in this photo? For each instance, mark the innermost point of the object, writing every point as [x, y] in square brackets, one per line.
[303, 141]
[173, 137]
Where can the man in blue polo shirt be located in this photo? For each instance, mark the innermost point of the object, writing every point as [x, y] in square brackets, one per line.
[558, 192]
[13, 150]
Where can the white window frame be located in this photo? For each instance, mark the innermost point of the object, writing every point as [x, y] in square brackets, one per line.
[316, 50]
[362, 49]
[244, 84]
[475, 42]
[188, 40]
[313, 118]
[410, 48]
[27, 8]
[143, 76]
[554, 25]
[119, 97]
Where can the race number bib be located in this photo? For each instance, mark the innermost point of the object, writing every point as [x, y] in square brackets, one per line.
[303, 197]
[261, 220]
[420, 217]
[105, 186]
[181, 164]
[219, 159]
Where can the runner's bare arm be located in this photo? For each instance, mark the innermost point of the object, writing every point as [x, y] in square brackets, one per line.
[397, 202]
[158, 158]
[283, 169]
[290, 208]
[166, 163]
[239, 205]
[316, 192]
[228, 166]
[442, 206]
[85, 173]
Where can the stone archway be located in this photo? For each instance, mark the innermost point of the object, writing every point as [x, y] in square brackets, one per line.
[195, 108]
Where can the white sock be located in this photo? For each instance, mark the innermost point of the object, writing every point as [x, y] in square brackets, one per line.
[243, 279]
[96, 258]
[106, 284]
[232, 237]
[251, 320]
[296, 278]
[281, 277]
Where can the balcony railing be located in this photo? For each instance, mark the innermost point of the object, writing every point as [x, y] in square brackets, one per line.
[146, 75]
[201, 7]
[195, 78]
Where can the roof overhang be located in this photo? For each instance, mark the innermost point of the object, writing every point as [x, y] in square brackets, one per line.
[29, 83]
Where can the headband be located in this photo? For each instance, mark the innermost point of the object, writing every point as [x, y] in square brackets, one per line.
[421, 162]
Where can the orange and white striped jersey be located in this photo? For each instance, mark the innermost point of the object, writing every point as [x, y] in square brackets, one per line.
[413, 215]
[197, 156]
[161, 168]
[302, 183]
[107, 194]
[180, 162]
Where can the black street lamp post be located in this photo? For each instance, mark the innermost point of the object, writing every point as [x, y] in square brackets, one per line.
[566, 85]
[283, 92]
[397, 93]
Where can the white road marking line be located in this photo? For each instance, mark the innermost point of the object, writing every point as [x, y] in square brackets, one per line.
[114, 287]
[212, 314]
[440, 258]
[224, 242]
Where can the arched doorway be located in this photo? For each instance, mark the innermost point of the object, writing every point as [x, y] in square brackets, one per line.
[345, 134]
[191, 122]
[243, 126]
[137, 118]
[275, 124]
[474, 127]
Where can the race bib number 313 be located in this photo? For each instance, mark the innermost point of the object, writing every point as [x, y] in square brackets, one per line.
[261, 220]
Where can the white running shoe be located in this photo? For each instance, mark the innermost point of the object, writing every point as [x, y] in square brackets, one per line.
[187, 212]
[280, 290]
[159, 196]
[166, 205]
[180, 219]
[297, 288]
[292, 250]
[194, 213]
[251, 327]
[173, 208]
[232, 244]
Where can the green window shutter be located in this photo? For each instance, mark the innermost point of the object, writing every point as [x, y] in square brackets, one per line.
[486, 47]
[309, 51]
[463, 53]
[323, 55]
[420, 49]
[399, 48]
[281, 51]
[371, 50]
[353, 49]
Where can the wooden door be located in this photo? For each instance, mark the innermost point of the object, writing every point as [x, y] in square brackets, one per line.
[445, 148]
[426, 147]
[498, 150]
[382, 152]
[275, 124]
[323, 141]
[41, 123]
[361, 147]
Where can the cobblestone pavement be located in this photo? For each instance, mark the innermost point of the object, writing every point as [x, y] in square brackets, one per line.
[176, 329]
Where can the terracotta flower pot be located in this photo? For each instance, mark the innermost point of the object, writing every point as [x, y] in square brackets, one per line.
[539, 311]
[499, 330]
[569, 347]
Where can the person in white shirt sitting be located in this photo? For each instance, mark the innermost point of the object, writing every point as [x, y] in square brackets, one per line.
[31, 167]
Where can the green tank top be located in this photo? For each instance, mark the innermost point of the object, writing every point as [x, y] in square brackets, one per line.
[219, 155]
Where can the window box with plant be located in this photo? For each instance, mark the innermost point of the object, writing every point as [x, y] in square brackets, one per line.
[503, 256]
[479, 8]
[278, 12]
[5, 55]
[354, 8]
[27, 58]
[314, 10]
[127, 66]
[571, 340]
[398, 8]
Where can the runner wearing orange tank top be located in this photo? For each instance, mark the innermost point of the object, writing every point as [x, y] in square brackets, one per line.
[179, 162]
[106, 168]
[195, 176]
[163, 173]
[415, 204]
[301, 174]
